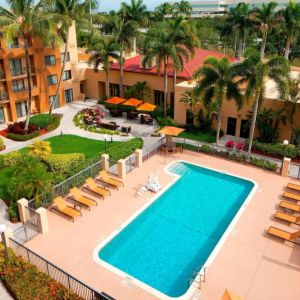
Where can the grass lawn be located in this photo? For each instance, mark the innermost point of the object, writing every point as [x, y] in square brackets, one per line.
[5, 176]
[198, 136]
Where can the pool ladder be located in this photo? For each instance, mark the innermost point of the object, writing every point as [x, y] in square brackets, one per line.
[200, 279]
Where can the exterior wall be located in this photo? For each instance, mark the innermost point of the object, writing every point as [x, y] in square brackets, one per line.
[229, 109]
[96, 80]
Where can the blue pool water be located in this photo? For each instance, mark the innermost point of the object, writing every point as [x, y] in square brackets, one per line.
[174, 236]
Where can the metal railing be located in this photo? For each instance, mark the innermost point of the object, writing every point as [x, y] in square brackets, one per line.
[294, 170]
[64, 187]
[130, 163]
[21, 71]
[3, 96]
[70, 282]
[154, 149]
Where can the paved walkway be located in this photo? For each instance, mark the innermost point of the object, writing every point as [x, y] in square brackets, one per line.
[4, 295]
[67, 126]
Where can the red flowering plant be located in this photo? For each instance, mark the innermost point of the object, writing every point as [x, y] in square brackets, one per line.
[240, 146]
[229, 144]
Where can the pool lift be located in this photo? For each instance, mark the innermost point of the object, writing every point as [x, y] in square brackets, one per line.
[201, 277]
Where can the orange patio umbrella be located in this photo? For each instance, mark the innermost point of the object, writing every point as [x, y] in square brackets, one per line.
[115, 100]
[133, 102]
[146, 107]
[171, 130]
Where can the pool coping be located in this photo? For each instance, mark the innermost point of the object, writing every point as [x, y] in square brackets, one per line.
[191, 291]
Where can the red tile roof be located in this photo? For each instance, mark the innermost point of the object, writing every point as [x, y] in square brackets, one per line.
[133, 64]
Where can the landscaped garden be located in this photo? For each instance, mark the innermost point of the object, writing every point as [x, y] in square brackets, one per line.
[31, 170]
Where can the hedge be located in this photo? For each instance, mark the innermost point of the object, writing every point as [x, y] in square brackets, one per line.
[2, 145]
[41, 120]
[55, 122]
[24, 281]
[10, 159]
[276, 149]
[24, 137]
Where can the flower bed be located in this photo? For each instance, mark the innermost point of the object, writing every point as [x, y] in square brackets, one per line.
[91, 120]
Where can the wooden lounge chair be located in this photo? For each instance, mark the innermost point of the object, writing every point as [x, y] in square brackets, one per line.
[286, 217]
[289, 206]
[105, 178]
[62, 206]
[293, 186]
[95, 188]
[291, 196]
[230, 296]
[81, 199]
[285, 235]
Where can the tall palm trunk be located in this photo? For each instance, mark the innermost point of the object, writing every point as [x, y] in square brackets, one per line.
[107, 83]
[263, 45]
[235, 43]
[253, 122]
[240, 48]
[61, 74]
[219, 121]
[121, 73]
[287, 48]
[134, 44]
[174, 82]
[28, 73]
[165, 87]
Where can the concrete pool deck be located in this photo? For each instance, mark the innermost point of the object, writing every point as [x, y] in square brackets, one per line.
[251, 264]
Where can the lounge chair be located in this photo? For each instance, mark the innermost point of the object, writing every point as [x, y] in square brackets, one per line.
[286, 217]
[285, 235]
[230, 296]
[105, 178]
[95, 188]
[291, 196]
[81, 199]
[293, 186]
[62, 206]
[289, 206]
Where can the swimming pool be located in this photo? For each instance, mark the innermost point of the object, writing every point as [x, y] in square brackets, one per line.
[173, 237]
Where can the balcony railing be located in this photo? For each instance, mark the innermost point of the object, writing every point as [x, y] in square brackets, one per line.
[25, 88]
[2, 75]
[21, 71]
[3, 96]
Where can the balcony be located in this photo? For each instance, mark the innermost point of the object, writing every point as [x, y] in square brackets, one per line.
[21, 71]
[24, 88]
[3, 96]
[2, 75]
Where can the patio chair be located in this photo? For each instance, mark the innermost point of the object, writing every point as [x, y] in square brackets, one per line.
[285, 235]
[81, 199]
[291, 196]
[105, 178]
[292, 186]
[62, 206]
[286, 217]
[289, 206]
[95, 188]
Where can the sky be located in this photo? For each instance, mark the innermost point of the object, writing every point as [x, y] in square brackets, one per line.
[107, 5]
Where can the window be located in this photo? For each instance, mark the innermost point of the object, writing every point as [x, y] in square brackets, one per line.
[2, 118]
[52, 79]
[15, 66]
[62, 56]
[51, 99]
[67, 75]
[189, 117]
[81, 87]
[50, 60]
[21, 109]
[14, 44]
[18, 85]
[114, 90]
[69, 95]
[158, 98]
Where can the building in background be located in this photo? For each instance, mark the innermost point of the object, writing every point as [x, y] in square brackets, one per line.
[46, 65]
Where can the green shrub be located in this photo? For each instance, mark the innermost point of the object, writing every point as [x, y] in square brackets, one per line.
[206, 149]
[11, 158]
[41, 120]
[24, 281]
[277, 149]
[65, 165]
[13, 212]
[264, 164]
[2, 146]
[2, 162]
[124, 149]
[166, 122]
[24, 137]
[55, 123]
[238, 157]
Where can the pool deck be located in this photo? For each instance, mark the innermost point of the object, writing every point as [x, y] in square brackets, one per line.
[250, 263]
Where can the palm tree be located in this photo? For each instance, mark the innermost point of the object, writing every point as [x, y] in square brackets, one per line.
[183, 8]
[163, 10]
[216, 80]
[291, 24]
[135, 12]
[239, 21]
[159, 48]
[123, 31]
[25, 19]
[67, 11]
[266, 18]
[292, 100]
[190, 99]
[104, 50]
[255, 73]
